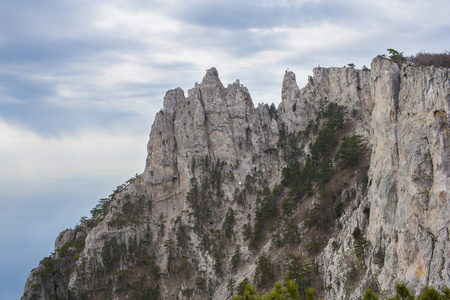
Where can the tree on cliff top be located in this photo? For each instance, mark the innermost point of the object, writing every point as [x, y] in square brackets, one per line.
[395, 55]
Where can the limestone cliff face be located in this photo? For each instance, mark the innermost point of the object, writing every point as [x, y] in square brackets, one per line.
[410, 210]
[345, 86]
[215, 162]
[407, 228]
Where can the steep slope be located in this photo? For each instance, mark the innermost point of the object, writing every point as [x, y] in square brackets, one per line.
[232, 192]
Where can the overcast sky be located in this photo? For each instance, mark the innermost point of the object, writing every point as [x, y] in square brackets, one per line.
[81, 81]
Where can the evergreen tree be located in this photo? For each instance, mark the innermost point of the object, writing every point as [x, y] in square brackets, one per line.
[241, 286]
[264, 270]
[123, 277]
[403, 292]
[396, 55]
[230, 286]
[351, 151]
[430, 293]
[236, 256]
[169, 250]
[229, 223]
[315, 216]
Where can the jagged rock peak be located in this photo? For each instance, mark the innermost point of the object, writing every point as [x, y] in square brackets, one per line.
[288, 79]
[212, 78]
[172, 100]
[212, 152]
[290, 88]
[211, 74]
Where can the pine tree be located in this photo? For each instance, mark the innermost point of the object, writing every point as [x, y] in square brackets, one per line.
[351, 151]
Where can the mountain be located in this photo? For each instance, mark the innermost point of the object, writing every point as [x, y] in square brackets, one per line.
[343, 187]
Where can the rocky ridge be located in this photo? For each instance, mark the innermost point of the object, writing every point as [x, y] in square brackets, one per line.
[215, 179]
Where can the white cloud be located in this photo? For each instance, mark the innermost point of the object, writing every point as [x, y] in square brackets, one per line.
[288, 3]
[145, 25]
[67, 91]
[27, 156]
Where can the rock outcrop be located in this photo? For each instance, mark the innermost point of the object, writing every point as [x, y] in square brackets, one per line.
[227, 183]
[407, 227]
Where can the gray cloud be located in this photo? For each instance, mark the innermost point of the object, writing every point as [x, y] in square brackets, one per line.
[49, 48]
[241, 15]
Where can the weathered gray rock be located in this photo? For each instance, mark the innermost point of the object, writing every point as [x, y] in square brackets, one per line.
[400, 206]
[408, 188]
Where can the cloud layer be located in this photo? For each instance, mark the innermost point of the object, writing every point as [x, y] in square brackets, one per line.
[77, 63]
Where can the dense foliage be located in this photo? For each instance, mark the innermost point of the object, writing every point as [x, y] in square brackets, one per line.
[402, 292]
[431, 59]
[290, 291]
[421, 59]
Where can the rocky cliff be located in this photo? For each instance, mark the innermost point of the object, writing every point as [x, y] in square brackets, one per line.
[343, 187]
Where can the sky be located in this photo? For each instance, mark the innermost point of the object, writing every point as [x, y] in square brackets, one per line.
[81, 82]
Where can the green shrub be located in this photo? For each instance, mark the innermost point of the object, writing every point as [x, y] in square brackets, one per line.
[310, 294]
[281, 291]
[71, 249]
[403, 292]
[370, 295]
[200, 281]
[360, 243]
[430, 293]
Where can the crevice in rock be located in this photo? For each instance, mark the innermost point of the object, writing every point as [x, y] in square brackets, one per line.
[175, 146]
[232, 129]
[396, 95]
[433, 245]
[206, 125]
[232, 134]
[248, 134]
[55, 287]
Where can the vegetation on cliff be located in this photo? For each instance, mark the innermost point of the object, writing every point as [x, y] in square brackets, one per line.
[245, 198]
